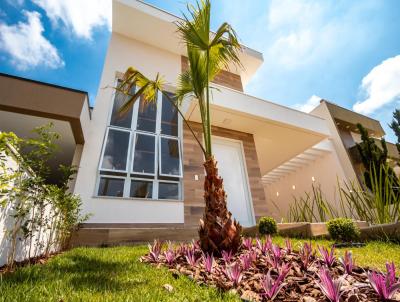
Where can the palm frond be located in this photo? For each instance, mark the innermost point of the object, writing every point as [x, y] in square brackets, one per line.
[148, 89]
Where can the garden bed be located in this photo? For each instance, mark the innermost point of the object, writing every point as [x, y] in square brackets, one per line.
[261, 271]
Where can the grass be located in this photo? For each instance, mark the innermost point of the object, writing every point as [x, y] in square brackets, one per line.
[115, 274]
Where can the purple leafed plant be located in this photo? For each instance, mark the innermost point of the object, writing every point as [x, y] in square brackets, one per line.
[227, 256]
[275, 256]
[190, 256]
[305, 255]
[262, 246]
[234, 273]
[170, 256]
[391, 272]
[329, 287]
[208, 261]
[247, 243]
[246, 260]
[181, 250]
[288, 244]
[385, 286]
[327, 256]
[268, 241]
[196, 245]
[347, 262]
[271, 288]
[155, 250]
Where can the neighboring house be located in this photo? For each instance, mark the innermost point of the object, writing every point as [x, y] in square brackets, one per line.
[141, 175]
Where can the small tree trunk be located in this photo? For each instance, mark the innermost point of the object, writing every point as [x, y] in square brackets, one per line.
[218, 230]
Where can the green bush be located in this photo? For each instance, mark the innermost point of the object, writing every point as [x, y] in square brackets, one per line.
[267, 226]
[343, 229]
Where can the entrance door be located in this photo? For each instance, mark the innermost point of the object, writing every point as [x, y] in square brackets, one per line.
[231, 167]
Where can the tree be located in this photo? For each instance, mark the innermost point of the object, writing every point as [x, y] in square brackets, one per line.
[373, 159]
[207, 56]
[395, 125]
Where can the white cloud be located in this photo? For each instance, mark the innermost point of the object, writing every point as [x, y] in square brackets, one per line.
[309, 105]
[381, 86]
[27, 46]
[80, 16]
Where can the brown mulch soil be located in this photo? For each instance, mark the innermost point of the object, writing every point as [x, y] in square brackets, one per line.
[32, 261]
[300, 284]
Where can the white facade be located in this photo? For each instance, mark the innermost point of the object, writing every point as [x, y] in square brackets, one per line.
[145, 38]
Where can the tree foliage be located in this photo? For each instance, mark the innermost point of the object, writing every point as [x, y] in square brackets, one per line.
[395, 125]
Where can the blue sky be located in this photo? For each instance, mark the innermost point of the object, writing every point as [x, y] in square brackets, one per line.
[345, 51]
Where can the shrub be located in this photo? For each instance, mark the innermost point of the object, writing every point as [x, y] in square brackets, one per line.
[343, 229]
[267, 226]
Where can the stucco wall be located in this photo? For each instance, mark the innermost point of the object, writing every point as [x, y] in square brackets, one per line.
[122, 53]
[326, 170]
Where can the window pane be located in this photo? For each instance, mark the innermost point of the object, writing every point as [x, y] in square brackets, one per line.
[116, 151]
[147, 115]
[144, 156]
[141, 189]
[121, 119]
[170, 157]
[111, 187]
[168, 190]
[169, 117]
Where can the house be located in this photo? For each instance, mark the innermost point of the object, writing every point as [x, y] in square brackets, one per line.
[140, 174]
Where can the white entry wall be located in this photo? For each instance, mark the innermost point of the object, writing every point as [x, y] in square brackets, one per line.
[232, 168]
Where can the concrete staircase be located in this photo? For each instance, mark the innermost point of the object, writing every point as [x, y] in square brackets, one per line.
[112, 236]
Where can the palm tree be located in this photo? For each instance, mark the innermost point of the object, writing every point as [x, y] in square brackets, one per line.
[207, 54]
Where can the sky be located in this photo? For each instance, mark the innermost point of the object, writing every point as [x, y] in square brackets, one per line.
[345, 51]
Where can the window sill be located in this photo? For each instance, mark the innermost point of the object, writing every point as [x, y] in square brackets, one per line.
[137, 199]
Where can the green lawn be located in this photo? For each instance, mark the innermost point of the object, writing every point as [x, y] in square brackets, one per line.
[115, 274]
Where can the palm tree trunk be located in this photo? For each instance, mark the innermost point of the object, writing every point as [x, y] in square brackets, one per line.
[218, 230]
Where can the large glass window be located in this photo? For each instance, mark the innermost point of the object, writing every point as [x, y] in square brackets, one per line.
[169, 117]
[141, 189]
[147, 116]
[111, 187]
[142, 150]
[116, 150]
[144, 154]
[121, 119]
[170, 163]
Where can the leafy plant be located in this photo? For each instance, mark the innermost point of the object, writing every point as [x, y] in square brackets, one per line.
[246, 261]
[234, 273]
[276, 256]
[267, 226]
[328, 257]
[395, 125]
[272, 287]
[313, 207]
[44, 215]
[155, 250]
[379, 205]
[208, 261]
[343, 229]
[306, 253]
[347, 262]
[262, 246]
[227, 256]
[385, 286]
[288, 244]
[247, 243]
[329, 287]
[170, 256]
[190, 256]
